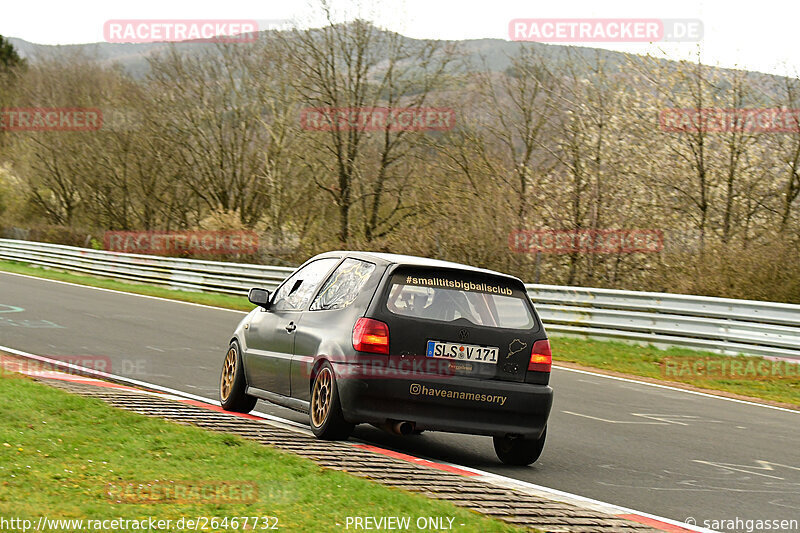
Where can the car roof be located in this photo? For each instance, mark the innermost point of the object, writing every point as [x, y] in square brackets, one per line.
[409, 260]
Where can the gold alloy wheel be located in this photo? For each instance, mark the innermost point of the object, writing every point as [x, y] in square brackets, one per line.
[228, 372]
[321, 397]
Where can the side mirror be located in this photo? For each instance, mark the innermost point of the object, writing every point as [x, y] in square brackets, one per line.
[259, 297]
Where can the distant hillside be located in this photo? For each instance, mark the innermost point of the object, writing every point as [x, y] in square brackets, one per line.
[494, 52]
[476, 53]
[132, 57]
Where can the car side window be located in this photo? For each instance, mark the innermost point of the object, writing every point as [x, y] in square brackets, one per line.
[343, 285]
[296, 292]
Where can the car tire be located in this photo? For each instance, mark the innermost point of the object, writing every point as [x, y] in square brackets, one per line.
[519, 451]
[232, 384]
[325, 410]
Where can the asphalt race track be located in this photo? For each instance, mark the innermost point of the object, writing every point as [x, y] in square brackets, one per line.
[656, 450]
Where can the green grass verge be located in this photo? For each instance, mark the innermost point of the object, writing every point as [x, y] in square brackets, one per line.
[59, 452]
[646, 361]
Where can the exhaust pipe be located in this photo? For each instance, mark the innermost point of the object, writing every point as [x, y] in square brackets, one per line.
[397, 427]
[403, 427]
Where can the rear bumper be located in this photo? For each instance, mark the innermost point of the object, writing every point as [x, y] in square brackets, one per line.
[456, 404]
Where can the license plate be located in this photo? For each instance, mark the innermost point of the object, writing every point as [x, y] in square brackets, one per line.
[462, 352]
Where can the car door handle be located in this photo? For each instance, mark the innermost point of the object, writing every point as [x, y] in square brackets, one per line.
[290, 327]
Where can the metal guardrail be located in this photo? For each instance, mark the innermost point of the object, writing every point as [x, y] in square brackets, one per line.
[175, 273]
[714, 324]
[719, 325]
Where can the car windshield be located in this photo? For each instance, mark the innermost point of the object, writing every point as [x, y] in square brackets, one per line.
[447, 299]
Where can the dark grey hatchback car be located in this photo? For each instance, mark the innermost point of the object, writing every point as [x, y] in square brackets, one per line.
[405, 343]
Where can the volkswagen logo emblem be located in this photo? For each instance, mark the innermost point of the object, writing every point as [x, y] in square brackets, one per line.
[463, 334]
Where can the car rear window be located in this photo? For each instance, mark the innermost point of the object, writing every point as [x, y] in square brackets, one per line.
[447, 297]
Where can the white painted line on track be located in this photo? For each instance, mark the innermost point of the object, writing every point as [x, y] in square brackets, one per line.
[607, 421]
[678, 389]
[124, 292]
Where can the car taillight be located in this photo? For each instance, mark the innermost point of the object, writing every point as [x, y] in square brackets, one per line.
[541, 358]
[371, 336]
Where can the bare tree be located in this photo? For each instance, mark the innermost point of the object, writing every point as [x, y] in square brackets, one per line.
[356, 66]
[210, 117]
[787, 146]
[56, 166]
[687, 86]
[590, 98]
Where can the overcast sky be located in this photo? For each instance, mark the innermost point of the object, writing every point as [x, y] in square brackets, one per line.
[761, 35]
